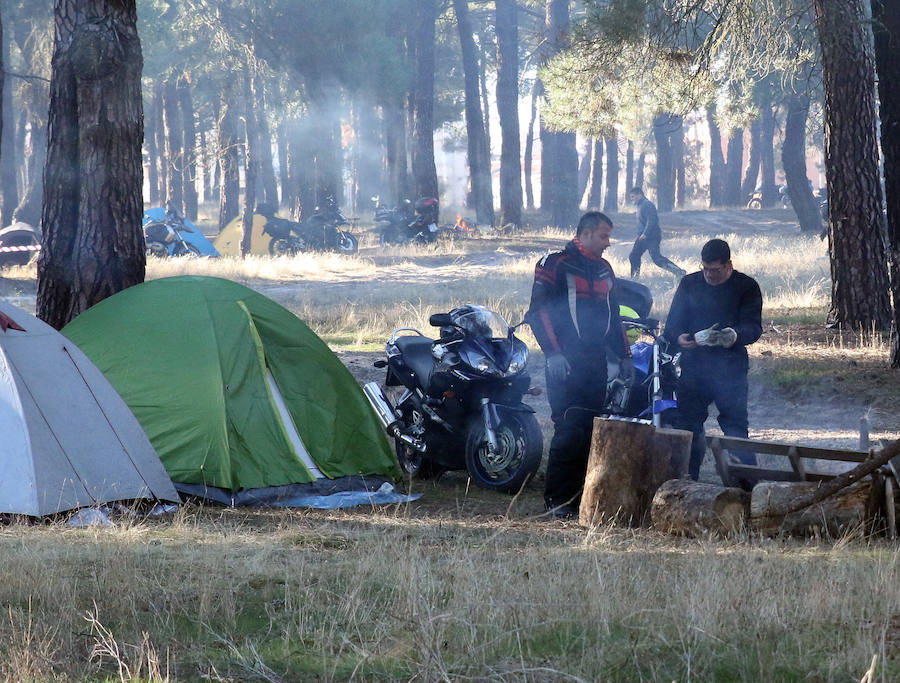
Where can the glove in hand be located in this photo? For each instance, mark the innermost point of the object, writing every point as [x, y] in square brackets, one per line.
[557, 367]
[727, 337]
[626, 370]
[708, 337]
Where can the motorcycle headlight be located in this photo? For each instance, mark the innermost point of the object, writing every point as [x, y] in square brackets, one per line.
[519, 360]
[482, 364]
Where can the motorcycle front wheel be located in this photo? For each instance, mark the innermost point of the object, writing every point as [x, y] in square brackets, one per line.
[188, 250]
[347, 243]
[521, 446]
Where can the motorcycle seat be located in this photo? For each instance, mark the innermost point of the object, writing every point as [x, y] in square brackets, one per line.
[417, 356]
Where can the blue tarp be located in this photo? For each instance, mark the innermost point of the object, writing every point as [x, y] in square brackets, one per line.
[192, 236]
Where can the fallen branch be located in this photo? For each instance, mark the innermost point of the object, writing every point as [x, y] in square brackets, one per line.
[832, 486]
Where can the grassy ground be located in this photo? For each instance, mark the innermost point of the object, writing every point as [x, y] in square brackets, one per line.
[462, 584]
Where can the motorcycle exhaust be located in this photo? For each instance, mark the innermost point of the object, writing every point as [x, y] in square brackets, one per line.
[386, 416]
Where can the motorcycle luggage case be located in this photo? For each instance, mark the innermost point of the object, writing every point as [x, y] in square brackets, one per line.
[634, 295]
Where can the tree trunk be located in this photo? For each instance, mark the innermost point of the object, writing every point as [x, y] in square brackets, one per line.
[663, 126]
[639, 170]
[477, 150]
[9, 193]
[678, 163]
[151, 121]
[767, 152]
[629, 166]
[733, 168]
[611, 203]
[860, 288]
[716, 161]
[848, 508]
[400, 184]
[29, 208]
[188, 147]
[751, 176]
[162, 164]
[424, 170]
[595, 187]
[559, 158]
[628, 462]
[93, 246]
[484, 40]
[536, 91]
[584, 169]
[174, 150]
[507, 24]
[693, 508]
[367, 178]
[283, 163]
[266, 162]
[793, 159]
[229, 163]
[886, 27]
[251, 159]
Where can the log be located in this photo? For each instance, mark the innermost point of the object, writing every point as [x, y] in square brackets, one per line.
[833, 516]
[845, 479]
[693, 508]
[628, 462]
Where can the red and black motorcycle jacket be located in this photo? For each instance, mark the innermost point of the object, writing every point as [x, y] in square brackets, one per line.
[573, 306]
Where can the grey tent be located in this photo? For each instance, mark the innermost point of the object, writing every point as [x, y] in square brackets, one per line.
[68, 439]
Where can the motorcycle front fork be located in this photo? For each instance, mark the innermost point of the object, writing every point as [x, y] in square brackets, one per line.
[489, 413]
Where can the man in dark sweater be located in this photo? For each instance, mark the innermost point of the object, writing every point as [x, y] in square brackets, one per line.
[715, 315]
[574, 317]
[649, 236]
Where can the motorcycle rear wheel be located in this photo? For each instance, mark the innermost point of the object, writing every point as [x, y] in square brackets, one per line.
[283, 246]
[521, 448]
[157, 249]
[415, 464]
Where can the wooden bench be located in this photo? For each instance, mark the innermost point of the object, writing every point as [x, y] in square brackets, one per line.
[733, 473]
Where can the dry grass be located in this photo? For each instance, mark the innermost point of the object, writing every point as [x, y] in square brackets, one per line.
[462, 584]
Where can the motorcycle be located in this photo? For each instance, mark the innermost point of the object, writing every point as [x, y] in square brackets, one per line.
[650, 395]
[320, 232]
[458, 400]
[408, 222]
[164, 238]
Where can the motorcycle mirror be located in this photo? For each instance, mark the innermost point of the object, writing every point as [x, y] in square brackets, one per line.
[440, 320]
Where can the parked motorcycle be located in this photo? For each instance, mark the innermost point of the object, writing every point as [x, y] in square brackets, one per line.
[164, 238]
[323, 231]
[458, 400]
[651, 394]
[408, 223]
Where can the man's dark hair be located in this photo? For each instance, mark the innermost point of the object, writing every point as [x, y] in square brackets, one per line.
[591, 221]
[636, 190]
[715, 250]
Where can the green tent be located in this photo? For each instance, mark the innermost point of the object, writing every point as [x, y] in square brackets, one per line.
[234, 391]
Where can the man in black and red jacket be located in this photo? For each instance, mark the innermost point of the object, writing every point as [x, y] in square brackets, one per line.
[716, 313]
[574, 316]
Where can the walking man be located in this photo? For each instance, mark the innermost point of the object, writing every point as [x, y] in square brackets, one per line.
[574, 316]
[716, 313]
[649, 236]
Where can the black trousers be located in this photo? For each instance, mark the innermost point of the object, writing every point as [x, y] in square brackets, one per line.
[652, 245]
[574, 403]
[719, 382]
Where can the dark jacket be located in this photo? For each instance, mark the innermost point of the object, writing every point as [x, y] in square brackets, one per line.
[736, 303]
[573, 307]
[648, 220]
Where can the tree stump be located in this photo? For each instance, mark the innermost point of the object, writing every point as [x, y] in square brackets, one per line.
[849, 507]
[693, 508]
[628, 461]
